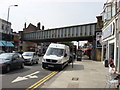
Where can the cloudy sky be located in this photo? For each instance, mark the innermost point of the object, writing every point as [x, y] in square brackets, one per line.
[51, 13]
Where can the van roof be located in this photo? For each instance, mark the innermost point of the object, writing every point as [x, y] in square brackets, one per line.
[55, 45]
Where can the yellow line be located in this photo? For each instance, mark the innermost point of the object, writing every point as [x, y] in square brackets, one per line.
[41, 80]
[44, 81]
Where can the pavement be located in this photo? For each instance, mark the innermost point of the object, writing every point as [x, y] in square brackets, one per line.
[84, 74]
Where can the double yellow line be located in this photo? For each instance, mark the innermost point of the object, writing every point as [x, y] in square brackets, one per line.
[41, 81]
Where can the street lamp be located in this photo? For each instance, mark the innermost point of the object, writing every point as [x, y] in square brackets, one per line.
[9, 11]
[8, 20]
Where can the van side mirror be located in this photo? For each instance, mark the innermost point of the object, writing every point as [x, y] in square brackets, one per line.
[65, 55]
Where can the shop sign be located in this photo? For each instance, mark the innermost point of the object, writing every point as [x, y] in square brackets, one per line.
[107, 32]
[98, 39]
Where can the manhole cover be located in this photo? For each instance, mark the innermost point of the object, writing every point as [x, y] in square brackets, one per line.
[75, 78]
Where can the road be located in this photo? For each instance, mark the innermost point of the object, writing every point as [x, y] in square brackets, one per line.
[24, 78]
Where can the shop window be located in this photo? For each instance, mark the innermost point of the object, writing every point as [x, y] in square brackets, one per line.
[111, 51]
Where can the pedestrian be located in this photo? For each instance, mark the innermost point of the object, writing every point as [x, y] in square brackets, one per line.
[79, 55]
[111, 61]
[113, 71]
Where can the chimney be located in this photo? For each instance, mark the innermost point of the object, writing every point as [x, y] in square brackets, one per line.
[38, 26]
[25, 25]
[43, 27]
[99, 22]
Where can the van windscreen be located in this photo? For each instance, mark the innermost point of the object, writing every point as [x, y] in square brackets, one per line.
[55, 51]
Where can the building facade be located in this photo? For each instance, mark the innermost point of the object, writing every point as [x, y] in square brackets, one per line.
[5, 35]
[27, 45]
[110, 31]
[5, 27]
[118, 15]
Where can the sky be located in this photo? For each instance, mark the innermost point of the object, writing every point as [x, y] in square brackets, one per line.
[50, 13]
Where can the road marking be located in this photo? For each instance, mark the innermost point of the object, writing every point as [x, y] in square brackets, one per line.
[26, 77]
[41, 81]
[44, 80]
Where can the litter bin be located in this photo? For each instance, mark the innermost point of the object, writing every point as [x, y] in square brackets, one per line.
[106, 63]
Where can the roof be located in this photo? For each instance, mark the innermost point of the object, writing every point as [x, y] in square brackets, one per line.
[108, 1]
[55, 45]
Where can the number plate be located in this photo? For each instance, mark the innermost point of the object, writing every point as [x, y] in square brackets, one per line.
[50, 65]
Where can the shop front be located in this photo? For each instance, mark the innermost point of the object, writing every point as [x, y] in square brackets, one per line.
[109, 43]
[6, 46]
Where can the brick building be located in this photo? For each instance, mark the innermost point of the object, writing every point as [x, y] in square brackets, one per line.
[27, 45]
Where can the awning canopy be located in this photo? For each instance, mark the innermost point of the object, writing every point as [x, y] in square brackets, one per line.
[1, 44]
[6, 43]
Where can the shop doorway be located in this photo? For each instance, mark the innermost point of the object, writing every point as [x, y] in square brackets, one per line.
[111, 51]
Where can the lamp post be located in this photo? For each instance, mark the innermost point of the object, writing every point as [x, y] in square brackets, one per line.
[7, 22]
[9, 11]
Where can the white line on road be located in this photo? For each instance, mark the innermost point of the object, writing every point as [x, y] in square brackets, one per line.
[26, 77]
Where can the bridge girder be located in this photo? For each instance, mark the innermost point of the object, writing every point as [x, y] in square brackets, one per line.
[89, 38]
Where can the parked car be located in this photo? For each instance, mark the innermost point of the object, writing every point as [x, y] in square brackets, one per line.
[10, 61]
[30, 58]
[20, 52]
[1, 52]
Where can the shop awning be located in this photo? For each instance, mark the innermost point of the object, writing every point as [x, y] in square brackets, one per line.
[6, 43]
[1, 44]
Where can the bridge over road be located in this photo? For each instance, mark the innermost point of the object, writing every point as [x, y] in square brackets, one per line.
[70, 33]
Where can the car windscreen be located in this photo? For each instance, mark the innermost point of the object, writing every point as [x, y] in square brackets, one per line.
[55, 51]
[27, 54]
[5, 56]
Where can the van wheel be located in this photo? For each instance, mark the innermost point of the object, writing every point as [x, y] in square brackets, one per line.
[31, 63]
[36, 62]
[43, 67]
[62, 66]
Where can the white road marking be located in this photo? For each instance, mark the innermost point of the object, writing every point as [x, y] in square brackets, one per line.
[26, 77]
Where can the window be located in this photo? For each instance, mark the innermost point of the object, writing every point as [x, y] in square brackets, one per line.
[55, 51]
[2, 26]
[107, 12]
[113, 9]
[15, 56]
[20, 55]
[6, 28]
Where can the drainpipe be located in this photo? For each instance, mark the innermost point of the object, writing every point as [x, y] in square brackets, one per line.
[119, 59]
[119, 54]
[119, 42]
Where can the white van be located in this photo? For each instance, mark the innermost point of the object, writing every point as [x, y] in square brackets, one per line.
[57, 56]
